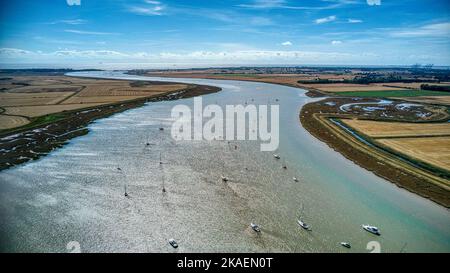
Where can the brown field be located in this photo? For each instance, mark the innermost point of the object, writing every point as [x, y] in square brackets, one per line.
[347, 87]
[24, 99]
[7, 122]
[286, 79]
[41, 110]
[445, 100]
[410, 85]
[379, 129]
[126, 90]
[97, 99]
[432, 150]
[33, 96]
[427, 142]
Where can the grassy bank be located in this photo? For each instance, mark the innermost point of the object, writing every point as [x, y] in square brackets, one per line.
[46, 133]
[393, 93]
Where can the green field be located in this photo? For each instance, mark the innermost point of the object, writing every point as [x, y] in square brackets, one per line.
[393, 93]
[235, 75]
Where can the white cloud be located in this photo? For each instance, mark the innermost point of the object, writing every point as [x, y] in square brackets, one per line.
[326, 19]
[374, 2]
[287, 43]
[261, 4]
[73, 2]
[147, 11]
[336, 42]
[13, 52]
[354, 21]
[89, 32]
[70, 22]
[153, 8]
[152, 2]
[432, 30]
[205, 57]
[88, 53]
[283, 4]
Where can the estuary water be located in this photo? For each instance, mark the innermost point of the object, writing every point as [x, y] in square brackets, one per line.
[76, 193]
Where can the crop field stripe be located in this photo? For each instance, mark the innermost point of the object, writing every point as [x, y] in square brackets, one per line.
[352, 132]
[411, 136]
[396, 93]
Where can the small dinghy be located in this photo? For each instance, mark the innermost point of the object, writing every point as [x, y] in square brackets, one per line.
[224, 178]
[345, 244]
[276, 156]
[295, 179]
[173, 243]
[255, 227]
[303, 225]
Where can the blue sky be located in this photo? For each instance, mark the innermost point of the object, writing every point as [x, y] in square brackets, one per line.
[167, 33]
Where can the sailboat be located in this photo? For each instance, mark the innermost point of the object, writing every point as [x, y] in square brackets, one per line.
[126, 193]
[162, 173]
[301, 223]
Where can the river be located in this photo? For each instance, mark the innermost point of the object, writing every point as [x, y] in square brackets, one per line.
[76, 193]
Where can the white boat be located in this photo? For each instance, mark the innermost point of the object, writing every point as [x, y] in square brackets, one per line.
[345, 244]
[295, 179]
[255, 227]
[276, 156]
[303, 225]
[371, 229]
[173, 243]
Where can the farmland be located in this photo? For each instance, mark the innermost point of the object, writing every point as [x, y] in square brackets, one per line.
[24, 98]
[405, 143]
[379, 129]
[394, 93]
[426, 142]
[432, 150]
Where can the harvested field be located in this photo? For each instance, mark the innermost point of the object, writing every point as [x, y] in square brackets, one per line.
[24, 99]
[46, 88]
[380, 129]
[432, 150]
[126, 90]
[7, 122]
[445, 100]
[34, 96]
[40, 110]
[99, 99]
[410, 85]
[393, 93]
[347, 87]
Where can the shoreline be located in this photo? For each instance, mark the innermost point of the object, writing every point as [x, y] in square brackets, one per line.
[74, 123]
[310, 92]
[335, 139]
[37, 139]
[402, 174]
